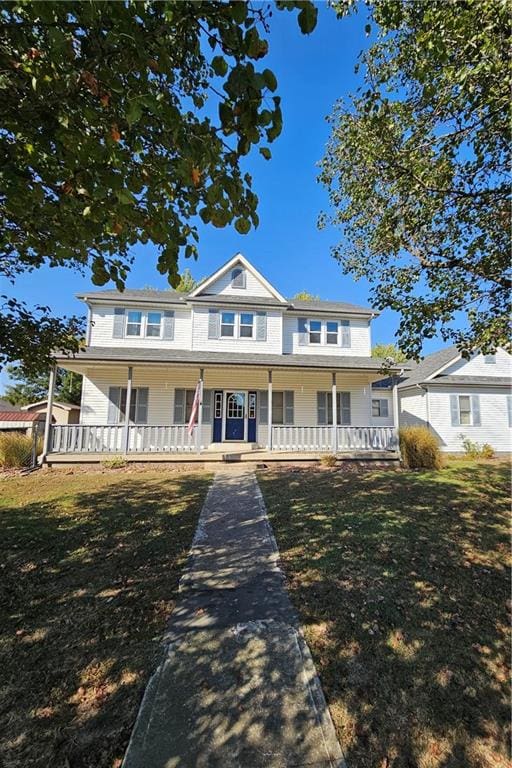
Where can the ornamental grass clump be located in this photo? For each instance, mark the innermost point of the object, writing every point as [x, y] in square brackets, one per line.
[419, 448]
[15, 450]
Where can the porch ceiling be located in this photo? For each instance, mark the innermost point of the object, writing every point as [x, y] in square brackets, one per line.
[130, 356]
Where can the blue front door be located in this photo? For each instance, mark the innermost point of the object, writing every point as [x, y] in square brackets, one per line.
[235, 415]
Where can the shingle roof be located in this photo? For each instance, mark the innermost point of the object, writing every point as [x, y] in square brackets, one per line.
[197, 357]
[421, 371]
[497, 381]
[19, 416]
[173, 297]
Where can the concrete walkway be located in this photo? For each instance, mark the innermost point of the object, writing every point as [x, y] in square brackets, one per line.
[237, 687]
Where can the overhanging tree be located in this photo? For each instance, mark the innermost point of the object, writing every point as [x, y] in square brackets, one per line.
[121, 122]
[417, 170]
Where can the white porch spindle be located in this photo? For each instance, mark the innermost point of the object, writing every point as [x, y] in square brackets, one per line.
[269, 439]
[49, 410]
[126, 432]
[334, 415]
[199, 412]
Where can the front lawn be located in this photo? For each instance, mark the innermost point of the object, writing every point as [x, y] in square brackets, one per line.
[89, 567]
[401, 580]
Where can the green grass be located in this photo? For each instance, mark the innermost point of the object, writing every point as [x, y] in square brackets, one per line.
[90, 564]
[402, 583]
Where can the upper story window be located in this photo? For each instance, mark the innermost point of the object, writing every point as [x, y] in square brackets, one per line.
[238, 278]
[315, 331]
[154, 322]
[227, 326]
[134, 323]
[246, 325]
[490, 359]
[331, 328]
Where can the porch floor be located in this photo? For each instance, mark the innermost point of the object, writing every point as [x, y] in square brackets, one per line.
[225, 456]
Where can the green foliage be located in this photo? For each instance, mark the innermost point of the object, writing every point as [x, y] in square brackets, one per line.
[328, 460]
[187, 282]
[419, 448]
[16, 449]
[305, 296]
[30, 388]
[474, 450]
[417, 170]
[121, 122]
[388, 351]
[117, 462]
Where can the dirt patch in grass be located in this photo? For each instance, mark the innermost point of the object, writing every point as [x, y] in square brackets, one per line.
[402, 583]
[89, 568]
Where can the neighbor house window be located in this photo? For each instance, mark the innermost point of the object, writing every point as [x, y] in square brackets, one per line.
[246, 325]
[332, 332]
[227, 327]
[134, 323]
[464, 409]
[315, 331]
[490, 359]
[154, 320]
[380, 408]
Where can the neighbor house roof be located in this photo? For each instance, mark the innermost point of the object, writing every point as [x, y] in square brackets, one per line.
[19, 416]
[427, 367]
[497, 381]
[56, 404]
[198, 357]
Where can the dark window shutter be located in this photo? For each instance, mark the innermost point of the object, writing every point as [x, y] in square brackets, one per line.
[213, 324]
[345, 408]
[168, 332]
[261, 326]
[114, 397]
[118, 332]
[207, 406]
[179, 406]
[288, 407]
[141, 412]
[263, 407]
[321, 407]
[302, 327]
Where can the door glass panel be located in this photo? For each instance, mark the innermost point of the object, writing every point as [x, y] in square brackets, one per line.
[235, 405]
[252, 405]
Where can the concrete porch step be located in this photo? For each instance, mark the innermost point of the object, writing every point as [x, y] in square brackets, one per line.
[233, 447]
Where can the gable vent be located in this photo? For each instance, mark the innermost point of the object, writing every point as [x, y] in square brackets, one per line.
[238, 278]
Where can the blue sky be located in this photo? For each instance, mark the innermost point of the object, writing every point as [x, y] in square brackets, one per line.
[313, 72]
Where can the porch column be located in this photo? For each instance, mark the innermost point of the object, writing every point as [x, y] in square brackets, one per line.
[396, 416]
[269, 440]
[199, 411]
[126, 431]
[49, 411]
[334, 415]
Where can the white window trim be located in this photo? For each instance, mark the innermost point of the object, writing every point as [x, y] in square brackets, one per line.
[237, 324]
[323, 332]
[338, 339]
[309, 331]
[143, 324]
[380, 400]
[471, 415]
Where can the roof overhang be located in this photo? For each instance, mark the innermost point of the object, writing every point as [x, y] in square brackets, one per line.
[238, 258]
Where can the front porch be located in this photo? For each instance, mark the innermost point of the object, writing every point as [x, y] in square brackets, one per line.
[142, 412]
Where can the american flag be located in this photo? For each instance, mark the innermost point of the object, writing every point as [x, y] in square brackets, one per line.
[195, 409]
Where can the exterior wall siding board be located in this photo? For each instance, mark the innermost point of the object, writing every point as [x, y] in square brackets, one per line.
[253, 287]
[102, 330]
[359, 333]
[272, 343]
[478, 367]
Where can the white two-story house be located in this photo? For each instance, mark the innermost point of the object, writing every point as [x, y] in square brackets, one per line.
[274, 374]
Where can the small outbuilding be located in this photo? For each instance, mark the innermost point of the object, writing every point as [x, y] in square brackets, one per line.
[62, 413]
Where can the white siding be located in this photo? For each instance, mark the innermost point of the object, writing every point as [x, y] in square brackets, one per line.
[272, 345]
[360, 338]
[163, 381]
[103, 326]
[413, 407]
[494, 427]
[253, 287]
[478, 367]
[383, 421]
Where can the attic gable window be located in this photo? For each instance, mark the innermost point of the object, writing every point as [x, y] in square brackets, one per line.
[238, 278]
[490, 359]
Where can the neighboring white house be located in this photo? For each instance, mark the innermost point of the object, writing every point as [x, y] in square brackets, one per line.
[458, 398]
[279, 374]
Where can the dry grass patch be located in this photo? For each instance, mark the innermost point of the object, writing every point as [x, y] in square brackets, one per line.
[89, 570]
[402, 583]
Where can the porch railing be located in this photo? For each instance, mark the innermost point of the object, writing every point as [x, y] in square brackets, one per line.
[321, 438]
[142, 438]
